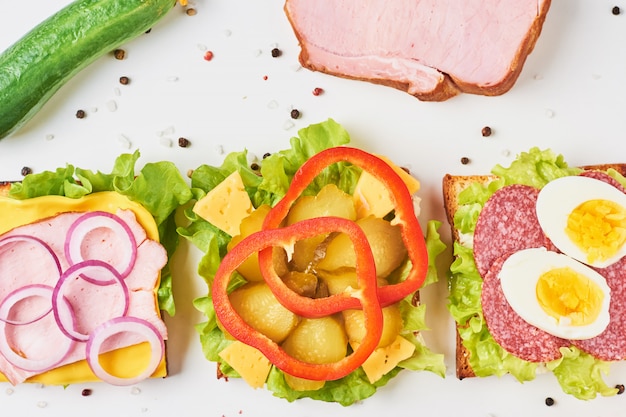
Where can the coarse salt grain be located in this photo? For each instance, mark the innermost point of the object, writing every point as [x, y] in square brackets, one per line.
[202, 47]
[219, 149]
[49, 136]
[506, 152]
[42, 404]
[228, 32]
[549, 113]
[171, 78]
[257, 52]
[9, 391]
[135, 390]
[296, 67]
[272, 104]
[288, 124]
[111, 105]
[117, 91]
[167, 142]
[123, 141]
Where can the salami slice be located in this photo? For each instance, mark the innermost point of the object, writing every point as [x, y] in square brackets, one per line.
[610, 345]
[507, 223]
[511, 331]
[603, 176]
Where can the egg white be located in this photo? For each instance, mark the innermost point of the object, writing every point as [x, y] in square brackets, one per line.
[519, 276]
[560, 197]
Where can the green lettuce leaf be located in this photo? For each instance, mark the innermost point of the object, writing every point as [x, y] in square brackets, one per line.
[578, 373]
[277, 170]
[159, 187]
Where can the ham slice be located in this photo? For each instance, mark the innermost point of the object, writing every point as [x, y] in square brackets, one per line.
[433, 49]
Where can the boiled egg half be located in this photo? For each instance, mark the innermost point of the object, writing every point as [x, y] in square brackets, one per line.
[585, 218]
[556, 293]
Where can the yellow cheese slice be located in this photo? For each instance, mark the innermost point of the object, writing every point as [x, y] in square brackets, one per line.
[226, 205]
[125, 362]
[371, 197]
[384, 359]
[248, 361]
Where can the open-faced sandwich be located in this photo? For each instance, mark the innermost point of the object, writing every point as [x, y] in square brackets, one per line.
[537, 283]
[313, 257]
[84, 273]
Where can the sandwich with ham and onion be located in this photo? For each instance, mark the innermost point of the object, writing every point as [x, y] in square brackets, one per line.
[537, 281]
[84, 273]
[313, 258]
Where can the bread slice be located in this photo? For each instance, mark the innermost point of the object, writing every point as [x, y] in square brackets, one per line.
[452, 186]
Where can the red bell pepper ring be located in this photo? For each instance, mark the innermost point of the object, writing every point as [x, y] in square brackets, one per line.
[365, 297]
[412, 235]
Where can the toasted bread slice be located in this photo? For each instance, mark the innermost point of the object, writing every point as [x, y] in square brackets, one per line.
[452, 187]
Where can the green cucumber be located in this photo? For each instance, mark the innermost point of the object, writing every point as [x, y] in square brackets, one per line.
[38, 64]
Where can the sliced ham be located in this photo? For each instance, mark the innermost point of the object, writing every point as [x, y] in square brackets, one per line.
[28, 262]
[433, 49]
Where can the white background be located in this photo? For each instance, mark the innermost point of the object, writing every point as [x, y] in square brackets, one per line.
[571, 97]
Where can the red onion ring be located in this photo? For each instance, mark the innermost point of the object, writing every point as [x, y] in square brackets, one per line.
[79, 230]
[122, 325]
[27, 291]
[19, 361]
[65, 317]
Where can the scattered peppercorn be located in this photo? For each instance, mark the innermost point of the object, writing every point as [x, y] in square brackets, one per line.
[549, 401]
[26, 170]
[124, 80]
[191, 11]
[620, 389]
[148, 31]
[465, 160]
[183, 142]
[119, 54]
[189, 173]
[266, 154]
[295, 114]
[254, 166]
[486, 131]
[208, 55]
[80, 114]
[317, 91]
[616, 10]
[276, 53]
[86, 392]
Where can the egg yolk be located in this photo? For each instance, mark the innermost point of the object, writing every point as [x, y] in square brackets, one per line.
[598, 227]
[569, 297]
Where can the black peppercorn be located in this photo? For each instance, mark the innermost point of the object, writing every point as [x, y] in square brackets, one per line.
[295, 114]
[266, 154]
[549, 401]
[620, 389]
[119, 54]
[254, 166]
[616, 10]
[86, 392]
[80, 114]
[183, 142]
[124, 80]
[465, 160]
[26, 170]
[486, 131]
[276, 52]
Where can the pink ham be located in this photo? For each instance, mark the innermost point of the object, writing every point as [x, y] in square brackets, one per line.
[24, 263]
[433, 49]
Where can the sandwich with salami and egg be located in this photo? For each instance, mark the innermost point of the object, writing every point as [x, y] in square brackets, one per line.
[537, 281]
